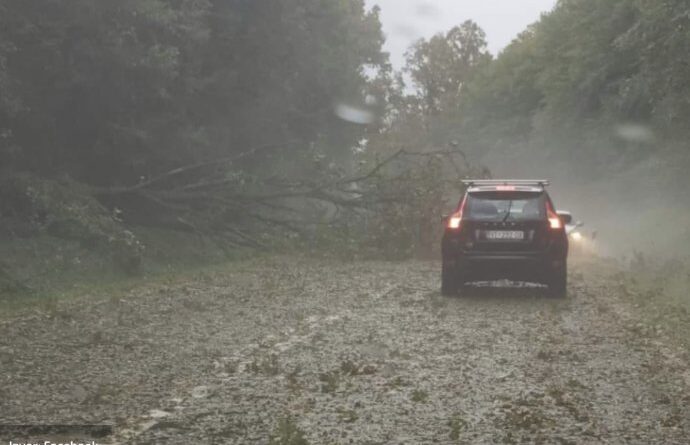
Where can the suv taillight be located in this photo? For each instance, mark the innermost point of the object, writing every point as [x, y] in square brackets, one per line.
[554, 220]
[455, 220]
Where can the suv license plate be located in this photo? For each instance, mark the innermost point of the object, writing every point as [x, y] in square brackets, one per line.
[505, 235]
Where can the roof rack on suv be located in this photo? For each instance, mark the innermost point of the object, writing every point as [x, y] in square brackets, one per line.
[490, 182]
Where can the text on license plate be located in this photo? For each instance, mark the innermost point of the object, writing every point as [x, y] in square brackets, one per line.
[505, 235]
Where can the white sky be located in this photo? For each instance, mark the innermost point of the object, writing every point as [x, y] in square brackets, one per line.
[405, 21]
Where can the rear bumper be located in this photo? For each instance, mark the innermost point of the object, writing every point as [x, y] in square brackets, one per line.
[536, 267]
[518, 266]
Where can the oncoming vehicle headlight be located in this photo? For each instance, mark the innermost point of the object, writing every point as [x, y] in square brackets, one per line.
[576, 236]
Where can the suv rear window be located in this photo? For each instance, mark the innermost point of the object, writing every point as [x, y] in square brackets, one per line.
[505, 206]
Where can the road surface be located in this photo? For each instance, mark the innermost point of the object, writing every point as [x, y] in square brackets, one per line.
[348, 352]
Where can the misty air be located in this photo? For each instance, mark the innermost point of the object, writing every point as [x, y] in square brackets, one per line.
[311, 222]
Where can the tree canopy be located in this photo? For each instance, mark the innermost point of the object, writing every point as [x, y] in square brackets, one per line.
[112, 92]
[599, 85]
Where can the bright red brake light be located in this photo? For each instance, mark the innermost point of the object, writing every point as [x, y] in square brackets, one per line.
[455, 219]
[554, 220]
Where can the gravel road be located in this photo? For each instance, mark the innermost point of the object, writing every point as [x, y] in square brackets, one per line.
[348, 352]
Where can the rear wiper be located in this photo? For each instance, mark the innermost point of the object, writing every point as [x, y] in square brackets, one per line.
[510, 206]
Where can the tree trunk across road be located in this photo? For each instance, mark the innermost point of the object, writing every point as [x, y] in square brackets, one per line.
[347, 352]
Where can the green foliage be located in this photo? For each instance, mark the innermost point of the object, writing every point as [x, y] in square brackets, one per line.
[440, 69]
[594, 88]
[10, 285]
[112, 92]
[394, 210]
[63, 209]
[412, 199]
[111, 96]
[441, 66]
[407, 197]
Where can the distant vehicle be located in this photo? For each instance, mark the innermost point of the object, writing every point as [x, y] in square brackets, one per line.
[505, 229]
[576, 237]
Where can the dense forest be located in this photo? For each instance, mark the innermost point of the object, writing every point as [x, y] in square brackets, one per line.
[229, 118]
[186, 115]
[607, 78]
[109, 93]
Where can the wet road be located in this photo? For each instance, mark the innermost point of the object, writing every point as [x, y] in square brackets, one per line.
[367, 353]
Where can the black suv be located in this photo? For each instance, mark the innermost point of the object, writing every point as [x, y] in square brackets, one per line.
[505, 229]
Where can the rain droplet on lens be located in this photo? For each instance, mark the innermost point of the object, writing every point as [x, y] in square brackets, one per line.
[356, 115]
[634, 133]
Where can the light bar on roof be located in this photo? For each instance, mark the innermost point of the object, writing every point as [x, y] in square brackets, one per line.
[506, 182]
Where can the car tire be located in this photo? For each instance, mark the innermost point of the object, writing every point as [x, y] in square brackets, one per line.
[558, 282]
[449, 281]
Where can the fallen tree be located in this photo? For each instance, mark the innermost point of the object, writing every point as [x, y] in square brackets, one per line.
[219, 196]
[385, 205]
